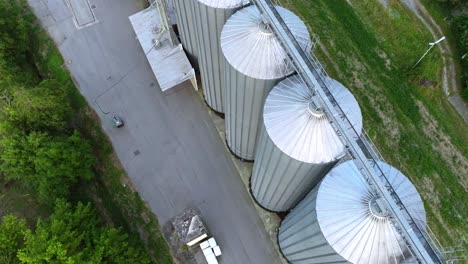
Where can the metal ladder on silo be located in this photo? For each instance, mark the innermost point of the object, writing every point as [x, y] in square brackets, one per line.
[364, 154]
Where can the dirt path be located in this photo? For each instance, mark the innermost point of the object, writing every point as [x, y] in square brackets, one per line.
[449, 76]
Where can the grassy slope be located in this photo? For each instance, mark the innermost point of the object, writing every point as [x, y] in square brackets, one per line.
[372, 51]
[110, 191]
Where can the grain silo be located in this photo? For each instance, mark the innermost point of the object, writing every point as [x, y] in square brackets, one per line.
[186, 21]
[211, 16]
[297, 146]
[254, 63]
[340, 221]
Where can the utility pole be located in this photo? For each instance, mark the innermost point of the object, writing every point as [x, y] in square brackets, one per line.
[432, 44]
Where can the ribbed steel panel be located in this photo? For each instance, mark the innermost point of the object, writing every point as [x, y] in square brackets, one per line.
[254, 63]
[339, 222]
[297, 147]
[186, 21]
[242, 110]
[224, 4]
[210, 17]
[278, 181]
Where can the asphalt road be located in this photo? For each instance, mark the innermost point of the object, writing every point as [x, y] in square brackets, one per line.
[169, 147]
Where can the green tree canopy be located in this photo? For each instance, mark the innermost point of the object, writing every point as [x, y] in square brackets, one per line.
[112, 246]
[461, 28]
[460, 25]
[454, 3]
[12, 235]
[16, 25]
[48, 165]
[43, 108]
[73, 235]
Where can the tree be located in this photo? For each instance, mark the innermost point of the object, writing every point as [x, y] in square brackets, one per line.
[62, 237]
[59, 164]
[43, 108]
[12, 232]
[112, 246]
[11, 75]
[460, 26]
[15, 157]
[461, 29]
[454, 3]
[48, 165]
[16, 26]
[73, 235]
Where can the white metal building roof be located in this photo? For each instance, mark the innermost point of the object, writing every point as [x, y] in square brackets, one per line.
[168, 62]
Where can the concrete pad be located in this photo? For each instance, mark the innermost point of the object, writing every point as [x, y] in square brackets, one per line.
[82, 12]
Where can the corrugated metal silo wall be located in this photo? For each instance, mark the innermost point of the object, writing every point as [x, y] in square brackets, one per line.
[210, 22]
[279, 181]
[187, 30]
[244, 100]
[300, 237]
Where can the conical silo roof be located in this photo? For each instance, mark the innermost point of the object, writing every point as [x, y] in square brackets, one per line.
[224, 3]
[300, 131]
[351, 221]
[250, 46]
[347, 103]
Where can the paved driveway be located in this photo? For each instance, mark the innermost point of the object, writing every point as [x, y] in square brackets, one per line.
[169, 147]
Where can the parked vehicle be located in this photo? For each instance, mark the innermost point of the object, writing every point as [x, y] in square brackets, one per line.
[118, 122]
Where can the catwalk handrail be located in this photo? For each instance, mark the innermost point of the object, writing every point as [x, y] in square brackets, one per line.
[313, 74]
